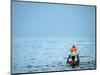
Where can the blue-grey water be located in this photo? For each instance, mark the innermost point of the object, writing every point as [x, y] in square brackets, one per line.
[44, 55]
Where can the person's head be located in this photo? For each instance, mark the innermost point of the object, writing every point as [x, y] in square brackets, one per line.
[73, 46]
[73, 58]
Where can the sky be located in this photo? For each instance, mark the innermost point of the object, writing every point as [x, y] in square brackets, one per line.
[52, 20]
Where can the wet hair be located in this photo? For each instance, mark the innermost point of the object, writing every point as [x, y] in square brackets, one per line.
[73, 46]
[73, 57]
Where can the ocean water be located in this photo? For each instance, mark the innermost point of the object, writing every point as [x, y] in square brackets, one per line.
[46, 55]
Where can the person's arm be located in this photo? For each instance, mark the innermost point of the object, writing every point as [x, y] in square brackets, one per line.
[76, 49]
[68, 58]
[78, 58]
[70, 50]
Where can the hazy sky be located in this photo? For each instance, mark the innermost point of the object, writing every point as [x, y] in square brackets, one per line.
[52, 20]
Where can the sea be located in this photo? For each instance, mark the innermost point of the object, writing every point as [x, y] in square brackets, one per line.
[35, 55]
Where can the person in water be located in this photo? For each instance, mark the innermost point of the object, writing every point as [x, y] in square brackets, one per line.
[73, 62]
[73, 49]
[71, 59]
